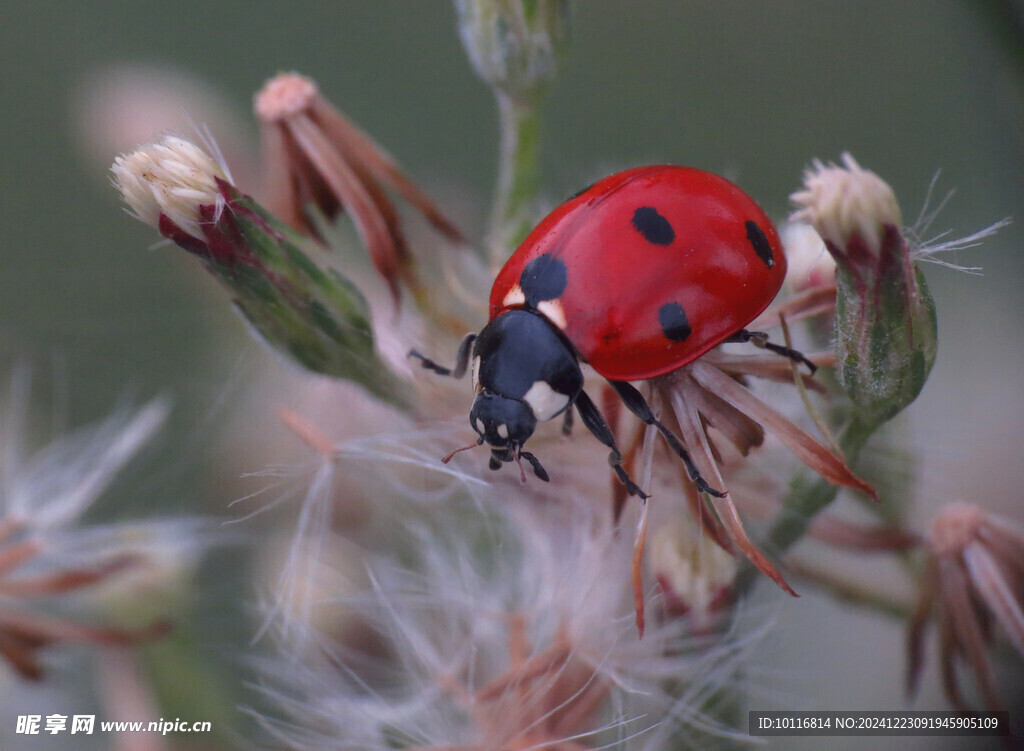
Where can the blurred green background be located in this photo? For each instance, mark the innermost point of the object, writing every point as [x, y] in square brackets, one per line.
[754, 90]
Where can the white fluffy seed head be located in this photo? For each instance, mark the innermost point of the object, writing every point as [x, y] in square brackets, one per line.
[451, 630]
[173, 177]
[62, 481]
[840, 202]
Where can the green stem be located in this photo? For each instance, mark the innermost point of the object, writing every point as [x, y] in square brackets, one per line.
[808, 494]
[518, 176]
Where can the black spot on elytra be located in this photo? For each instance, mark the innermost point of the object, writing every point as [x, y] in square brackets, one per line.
[674, 323]
[653, 226]
[544, 278]
[760, 243]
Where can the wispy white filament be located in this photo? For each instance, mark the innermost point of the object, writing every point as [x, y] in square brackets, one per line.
[444, 603]
[58, 484]
[173, 177]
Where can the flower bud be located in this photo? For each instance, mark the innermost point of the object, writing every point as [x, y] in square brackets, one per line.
[809, 264]
[171, 178]
[695, 574]
[314, 315]
[885, 318]
[514, 46]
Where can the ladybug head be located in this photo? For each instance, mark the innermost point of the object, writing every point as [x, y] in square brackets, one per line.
[523, 373]
[504, 423]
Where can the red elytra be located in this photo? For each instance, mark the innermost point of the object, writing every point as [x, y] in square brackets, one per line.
[659, 265]
[637, 275]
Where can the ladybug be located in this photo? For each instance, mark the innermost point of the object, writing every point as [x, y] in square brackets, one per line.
[636, 275]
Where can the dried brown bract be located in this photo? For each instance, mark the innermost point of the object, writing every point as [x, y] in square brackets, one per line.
[315, 156]
[974, 580]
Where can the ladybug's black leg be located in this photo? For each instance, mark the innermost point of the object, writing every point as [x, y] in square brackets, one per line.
[535, 463]
[567, 422]
[596, 424]
[760, 339]
[636, 404]
[461, 359]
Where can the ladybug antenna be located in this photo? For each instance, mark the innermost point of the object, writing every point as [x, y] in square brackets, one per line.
[479, 442]
[519, 463]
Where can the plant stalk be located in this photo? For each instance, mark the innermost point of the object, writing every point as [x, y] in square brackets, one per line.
[518, 181]
[808, 494]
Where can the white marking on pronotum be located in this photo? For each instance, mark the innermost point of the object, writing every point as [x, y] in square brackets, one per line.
[553, 311]
[545, 401]
[503, 430]
[514, 297]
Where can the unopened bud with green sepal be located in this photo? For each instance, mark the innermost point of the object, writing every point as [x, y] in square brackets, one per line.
[312, 314]
[514, 45]
[885, 325]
